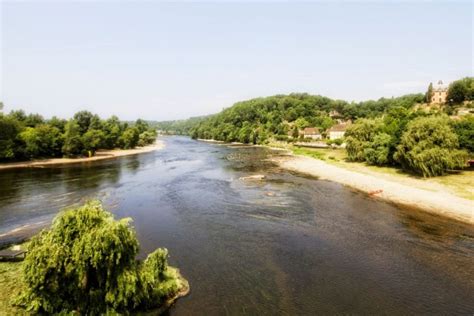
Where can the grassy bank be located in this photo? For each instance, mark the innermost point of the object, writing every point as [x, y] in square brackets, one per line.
[10, 286]
[459, 183]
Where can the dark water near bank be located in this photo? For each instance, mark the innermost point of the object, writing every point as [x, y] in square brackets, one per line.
[288, 245]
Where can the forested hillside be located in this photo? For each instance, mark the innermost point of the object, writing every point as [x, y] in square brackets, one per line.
[254, 121]
[179, 127]
[404, 131]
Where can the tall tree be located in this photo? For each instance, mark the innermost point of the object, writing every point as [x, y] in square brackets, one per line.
[72, 139]
[83, 119]
[429, 93]
[430, 147]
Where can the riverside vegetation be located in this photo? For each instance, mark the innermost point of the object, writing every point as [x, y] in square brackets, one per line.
[86, 263]
[25, 137]
[404, 132]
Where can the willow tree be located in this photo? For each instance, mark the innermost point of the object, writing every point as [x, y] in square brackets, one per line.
[430, 147]
[86, 263]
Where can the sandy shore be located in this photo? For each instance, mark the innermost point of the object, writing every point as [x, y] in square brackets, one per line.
[100, 155]
[210, 141]
[433, 200]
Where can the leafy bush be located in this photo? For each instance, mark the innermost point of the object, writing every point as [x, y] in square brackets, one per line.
[86, 263]
[430, 147]
[146, 138]
[377, 152]
[42, 141]
[460, 91]
[129, 138]
[9, 129]
[464, 129]
[366, 142]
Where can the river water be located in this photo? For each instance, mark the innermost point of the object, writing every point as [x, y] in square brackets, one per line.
[288, 245]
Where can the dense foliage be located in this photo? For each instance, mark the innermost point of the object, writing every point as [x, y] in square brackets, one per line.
[86, 263]
[254, 121]
[180, 127]
[460, 91]
[379, 134]
[430, 147]
[464, 128]
[422, 143]
[31, 136]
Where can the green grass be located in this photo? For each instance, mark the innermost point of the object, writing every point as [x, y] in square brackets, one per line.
[335, 155]
[460, 183]
[10, 287]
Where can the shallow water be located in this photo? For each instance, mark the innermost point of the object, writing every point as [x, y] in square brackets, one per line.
[286, 245]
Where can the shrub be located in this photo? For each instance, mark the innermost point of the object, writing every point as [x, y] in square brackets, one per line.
[86, 263]
[146, 138]
[360, 139]
[129, 138]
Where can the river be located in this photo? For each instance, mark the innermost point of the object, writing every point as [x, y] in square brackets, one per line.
[288, 245]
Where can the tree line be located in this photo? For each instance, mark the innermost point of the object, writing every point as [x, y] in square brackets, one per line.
[257, 120]
[29, 136]
[388, 131]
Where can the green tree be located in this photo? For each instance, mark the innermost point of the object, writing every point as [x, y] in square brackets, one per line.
[429, 93]
[41, 141]
[113, 130]
[464, 129]
[32, 120]
[141, 125]
[377, 152]
[18, 115]
[430, 147]
[86, 263]
[92, 140]
[129, 138]
[360, 138]
[72, 139]
[83, 119]
[58, 123]
[301, 123]
[146, 138]
[460, 90]
[9, 129]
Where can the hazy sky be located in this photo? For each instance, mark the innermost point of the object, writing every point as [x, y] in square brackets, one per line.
[175, 60]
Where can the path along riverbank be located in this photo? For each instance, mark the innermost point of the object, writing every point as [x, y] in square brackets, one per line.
[432, 199]
[100, 155]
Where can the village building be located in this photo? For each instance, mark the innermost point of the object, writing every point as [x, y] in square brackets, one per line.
[440, 91]
[312, 133]
[338, 130]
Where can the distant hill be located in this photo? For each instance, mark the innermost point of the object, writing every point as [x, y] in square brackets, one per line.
[255, 120]
[179, 127]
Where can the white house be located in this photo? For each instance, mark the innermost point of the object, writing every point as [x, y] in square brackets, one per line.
[338, 130]
[312, 133]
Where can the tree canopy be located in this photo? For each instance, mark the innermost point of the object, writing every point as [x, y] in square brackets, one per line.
[87, 263]
[253, 121]
[460, 91]
[430, 147]
[31, 136]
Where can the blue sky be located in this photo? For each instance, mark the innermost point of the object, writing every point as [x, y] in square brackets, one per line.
[175, 60]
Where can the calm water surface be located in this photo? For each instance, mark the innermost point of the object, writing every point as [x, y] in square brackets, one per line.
[289, 245]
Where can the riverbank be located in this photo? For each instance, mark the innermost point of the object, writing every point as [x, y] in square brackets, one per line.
[100, 155]
[415, 192]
